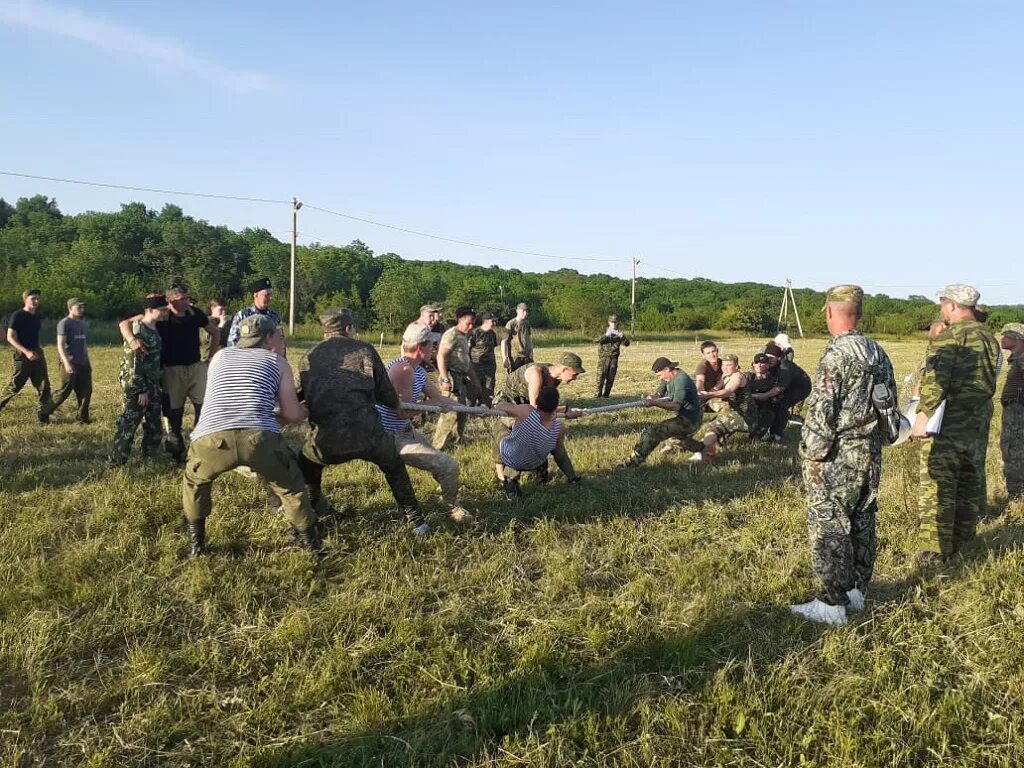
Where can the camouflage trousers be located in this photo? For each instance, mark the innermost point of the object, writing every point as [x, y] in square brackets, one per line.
[1011, 445]
[607, 368]
[452, 426]
[842, 504]
[128, 422]
[949, 497]
[654, 435]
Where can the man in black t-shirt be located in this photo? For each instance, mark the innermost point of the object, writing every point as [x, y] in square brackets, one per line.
[29, 363]
[184, 377]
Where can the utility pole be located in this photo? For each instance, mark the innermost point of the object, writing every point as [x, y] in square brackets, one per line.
[632, 300]
[291, 275]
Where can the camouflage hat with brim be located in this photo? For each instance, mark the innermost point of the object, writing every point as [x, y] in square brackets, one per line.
[254, 329]
[572, 360]
[734, 359]
[416, 334]
[963, 294]
[336, 320]
[1013, 331]
[845, 294]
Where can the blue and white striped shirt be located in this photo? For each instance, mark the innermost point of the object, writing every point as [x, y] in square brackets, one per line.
[241, 391]
[529, 443]
[389, 417]
[236, 321]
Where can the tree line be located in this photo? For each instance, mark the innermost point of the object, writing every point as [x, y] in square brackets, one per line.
[112, 259]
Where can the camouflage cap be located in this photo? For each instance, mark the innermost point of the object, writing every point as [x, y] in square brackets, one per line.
[75, 302]
[254, 329]
[430, 308]
[734, 359]
[416, 334]
[1013, 331]
[963, 294]
[336, 320]
[613, 318]
[522, 305]
[572, 360]
[843, 294]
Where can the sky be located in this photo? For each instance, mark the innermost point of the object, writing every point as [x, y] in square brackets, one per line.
[877, 143]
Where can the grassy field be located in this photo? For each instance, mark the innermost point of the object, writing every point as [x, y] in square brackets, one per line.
[638, 619]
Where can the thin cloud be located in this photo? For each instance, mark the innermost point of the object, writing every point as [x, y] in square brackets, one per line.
[111, 36]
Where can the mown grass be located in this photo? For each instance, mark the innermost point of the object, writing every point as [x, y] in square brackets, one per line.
[638, 619]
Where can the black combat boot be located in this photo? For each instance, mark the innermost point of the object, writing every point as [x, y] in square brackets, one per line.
[174, 442]
[197, 537]
[310, 540]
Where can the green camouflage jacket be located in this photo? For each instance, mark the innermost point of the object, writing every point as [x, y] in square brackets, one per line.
[960, 368]
[142, 373]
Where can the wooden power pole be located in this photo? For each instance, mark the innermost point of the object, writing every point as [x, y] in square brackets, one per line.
[632, 301]
[291, 271]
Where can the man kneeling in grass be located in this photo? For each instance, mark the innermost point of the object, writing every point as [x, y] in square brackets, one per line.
[537, 432]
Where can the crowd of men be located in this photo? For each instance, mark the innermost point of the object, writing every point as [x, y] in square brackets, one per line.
[234, 372]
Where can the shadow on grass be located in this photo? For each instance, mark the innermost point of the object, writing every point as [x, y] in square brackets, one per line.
[555, 693]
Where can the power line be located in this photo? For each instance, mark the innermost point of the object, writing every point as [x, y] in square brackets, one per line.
[445, 239]
[146, 189]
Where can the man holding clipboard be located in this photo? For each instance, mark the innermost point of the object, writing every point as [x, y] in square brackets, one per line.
[959, 376]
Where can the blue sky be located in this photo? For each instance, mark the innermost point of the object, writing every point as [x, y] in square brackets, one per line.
[870, 142]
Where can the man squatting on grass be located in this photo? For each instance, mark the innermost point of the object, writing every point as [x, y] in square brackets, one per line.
[841, 447]
[238, 426]
[410, 381]
[536, 434]
[682, 400]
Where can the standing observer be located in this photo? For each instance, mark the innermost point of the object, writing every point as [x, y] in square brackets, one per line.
[1011, 434]
[75, 369]
[29, 362]
[960, 371]
[841, 447]
[609, 345]
[456, 377]
[517, 346]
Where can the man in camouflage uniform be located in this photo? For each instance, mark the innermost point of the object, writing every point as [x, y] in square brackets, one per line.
[960, 370]
[841, 447]
[482, 342]
[456, 378]
[341, 380]
[608, 356]
[1011, 437]
[680, 398]
[738, 413]
[524, 384]
[262, 295]
[517, 346]
[140, 377]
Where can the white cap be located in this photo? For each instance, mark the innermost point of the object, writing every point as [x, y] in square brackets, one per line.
[783, 341]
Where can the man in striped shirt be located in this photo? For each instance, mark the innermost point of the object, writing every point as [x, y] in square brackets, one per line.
[262, 294]
[536, 434]
[410, 380]
[250, 395]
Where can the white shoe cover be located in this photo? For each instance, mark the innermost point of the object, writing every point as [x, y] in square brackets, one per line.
[856, 600]
[823, 613]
